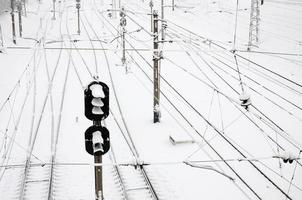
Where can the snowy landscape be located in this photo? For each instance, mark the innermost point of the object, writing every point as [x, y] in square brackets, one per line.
[224, 78]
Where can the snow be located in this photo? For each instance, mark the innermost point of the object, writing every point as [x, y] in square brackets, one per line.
[44, 114]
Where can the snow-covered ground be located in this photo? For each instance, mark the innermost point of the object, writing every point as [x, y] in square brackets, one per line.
[235, 153]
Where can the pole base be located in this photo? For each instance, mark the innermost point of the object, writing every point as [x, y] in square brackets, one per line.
[156, 117]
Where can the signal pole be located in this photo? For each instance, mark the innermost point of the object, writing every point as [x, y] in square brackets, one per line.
[13, 20]
[156, 69]
[98, 173]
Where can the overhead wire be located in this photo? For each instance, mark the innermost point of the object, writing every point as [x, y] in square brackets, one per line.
[240, 56]
[133, 148]
[232, 145]
[9, 150]
[226, 51]
[173, 105]
[209, 144]
[142, 169]
[250, 68]
[238, 93]
[91, 43]
[34, 133]
[256, 108]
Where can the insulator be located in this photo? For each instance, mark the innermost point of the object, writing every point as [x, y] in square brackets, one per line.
[245, 99]
[123, 22]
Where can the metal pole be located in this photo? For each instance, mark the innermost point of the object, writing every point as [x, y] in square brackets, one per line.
[124, 54]
[151, 7]
[54, 9]
[19, 6]
[78, 6]
[98, 178]
[13, 20]
[79, 31]
[254, 24]
[173, 5]
[123, 24]
[156, 69]
[24, 5]
[1, 39]
[162, 21]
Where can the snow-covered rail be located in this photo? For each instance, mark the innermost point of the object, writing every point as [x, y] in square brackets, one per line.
[37, 180]
[133, 181]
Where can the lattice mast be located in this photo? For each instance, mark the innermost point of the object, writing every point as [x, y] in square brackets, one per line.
[254, 24]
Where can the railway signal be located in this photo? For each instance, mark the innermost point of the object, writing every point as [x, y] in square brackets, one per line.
[97, 142]
[96, 101]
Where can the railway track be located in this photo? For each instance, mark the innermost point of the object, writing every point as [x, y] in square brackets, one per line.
[37, 180]
[134, 181]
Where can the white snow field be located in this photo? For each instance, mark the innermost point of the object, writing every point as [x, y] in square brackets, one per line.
[221, 150]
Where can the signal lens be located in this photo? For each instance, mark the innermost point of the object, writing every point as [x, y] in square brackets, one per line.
[97, 111]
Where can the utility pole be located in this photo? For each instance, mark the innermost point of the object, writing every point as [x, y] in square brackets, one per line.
[162, 21]
[151, 13]
[173, 5]
[156, 69]
[254, 24]
[13, 20]
[19, 7]
[123, 23]
[78, 6]
[54, 9]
